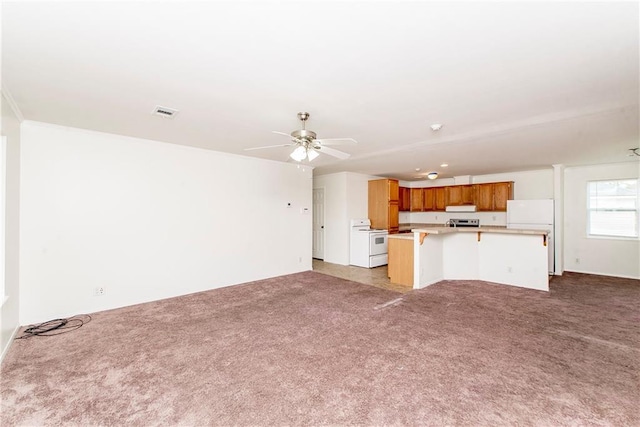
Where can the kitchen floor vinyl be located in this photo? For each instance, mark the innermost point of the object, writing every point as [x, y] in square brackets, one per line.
[377, 276]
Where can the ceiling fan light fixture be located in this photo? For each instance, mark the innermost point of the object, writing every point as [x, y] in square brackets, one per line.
[299, 154]
[312, 154]
[432, 175]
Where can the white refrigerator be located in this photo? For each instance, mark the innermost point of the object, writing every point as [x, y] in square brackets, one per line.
[534, 215]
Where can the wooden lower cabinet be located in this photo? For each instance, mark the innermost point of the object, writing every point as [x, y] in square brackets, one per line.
[400, 267]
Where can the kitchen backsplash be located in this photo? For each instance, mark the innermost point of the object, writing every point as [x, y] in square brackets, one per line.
[486, 218]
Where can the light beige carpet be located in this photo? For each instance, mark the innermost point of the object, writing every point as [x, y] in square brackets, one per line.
[310, 349]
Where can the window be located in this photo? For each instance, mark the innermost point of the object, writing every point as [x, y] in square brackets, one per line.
[613, 208]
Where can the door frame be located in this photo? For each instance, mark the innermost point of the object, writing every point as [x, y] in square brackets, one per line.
[313, 237]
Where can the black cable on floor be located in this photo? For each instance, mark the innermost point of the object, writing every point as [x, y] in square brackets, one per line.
[55, 327]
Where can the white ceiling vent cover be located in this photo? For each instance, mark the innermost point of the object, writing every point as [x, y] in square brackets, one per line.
[165, 111]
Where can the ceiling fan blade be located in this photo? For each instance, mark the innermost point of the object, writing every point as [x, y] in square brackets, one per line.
[336, 141]
[268, 146]
[333, 152]
[281, 133]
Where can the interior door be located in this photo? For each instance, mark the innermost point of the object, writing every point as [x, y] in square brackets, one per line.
[318, 223]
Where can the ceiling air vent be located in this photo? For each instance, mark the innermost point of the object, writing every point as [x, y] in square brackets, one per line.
[165, 112]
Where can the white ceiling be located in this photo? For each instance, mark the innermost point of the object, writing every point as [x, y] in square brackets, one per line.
[518, 86]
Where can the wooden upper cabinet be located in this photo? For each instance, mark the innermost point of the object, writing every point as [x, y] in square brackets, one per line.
[453, 195]
[404, 202]
[394, 190]
[416, 200]
[428, 199]
[468, 195]
[384, 204]
[493, 196]
[434, 198]
[502, 191]
[383, 193]
[440, 198]
[484, 197]
[458, 195]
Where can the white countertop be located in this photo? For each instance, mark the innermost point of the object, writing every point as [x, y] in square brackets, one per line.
[448, 230]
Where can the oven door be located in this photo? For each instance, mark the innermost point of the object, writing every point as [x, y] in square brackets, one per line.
[378, 244]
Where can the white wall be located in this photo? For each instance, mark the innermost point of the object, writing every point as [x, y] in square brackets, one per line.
[345, 198]
[149, 220]
[596, 255]
[9, 317]
[486, 218]
[358, 196]
[536, 184]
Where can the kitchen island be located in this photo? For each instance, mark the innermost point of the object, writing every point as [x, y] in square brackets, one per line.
[516, 257]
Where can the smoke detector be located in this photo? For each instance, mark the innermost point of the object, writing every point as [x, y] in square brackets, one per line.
[165, 112]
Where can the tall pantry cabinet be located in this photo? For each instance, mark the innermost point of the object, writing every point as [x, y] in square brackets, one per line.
[384, 204]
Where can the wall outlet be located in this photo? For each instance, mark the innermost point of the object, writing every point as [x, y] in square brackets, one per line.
[509, 270]
[98, 291]
[577, 260]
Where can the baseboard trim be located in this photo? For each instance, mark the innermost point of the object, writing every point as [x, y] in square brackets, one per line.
[603, 274]
[6, 349]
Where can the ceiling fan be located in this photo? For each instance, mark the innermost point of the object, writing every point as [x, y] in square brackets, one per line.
[307, 146]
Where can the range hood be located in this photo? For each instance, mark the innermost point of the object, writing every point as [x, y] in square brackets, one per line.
[462, 208]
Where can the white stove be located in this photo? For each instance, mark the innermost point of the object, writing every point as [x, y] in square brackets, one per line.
[368, 247]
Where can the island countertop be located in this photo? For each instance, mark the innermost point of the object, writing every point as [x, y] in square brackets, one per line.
[449, 230]
[499, 230]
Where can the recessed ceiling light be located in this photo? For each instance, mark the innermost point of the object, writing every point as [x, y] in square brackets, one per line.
[432, 175]
[436, 127]
[417, 169]
[444, 165]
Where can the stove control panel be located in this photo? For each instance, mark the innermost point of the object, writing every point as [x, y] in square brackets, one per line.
[464, 222]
